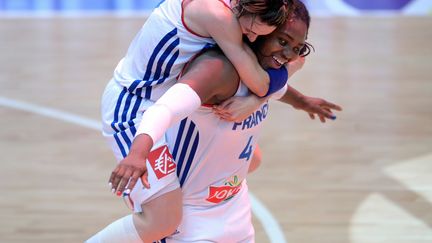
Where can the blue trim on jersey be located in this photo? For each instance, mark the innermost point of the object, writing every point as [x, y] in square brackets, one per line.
[138, 87]
[156, 51]
[135, 111]
[126, 139]
[126, 107]
[190, 159]
[178, 139]
[148, 92]
[120, 145]
[184, 150]
[117, 108]
[169, 66]
[157, 6]
[160, 63]
[151, 61]
[208, 46]
[163, 57]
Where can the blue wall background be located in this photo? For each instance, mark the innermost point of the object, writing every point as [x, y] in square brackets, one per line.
[77, 5]
[317, 7]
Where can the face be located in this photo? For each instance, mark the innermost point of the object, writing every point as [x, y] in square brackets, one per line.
[283, 45]
[252, 27]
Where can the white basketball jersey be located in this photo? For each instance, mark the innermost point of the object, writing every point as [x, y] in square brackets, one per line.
[213, 155]
[158, 52]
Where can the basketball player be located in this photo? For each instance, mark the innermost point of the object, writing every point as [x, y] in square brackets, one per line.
[173, 33]
[206, 182]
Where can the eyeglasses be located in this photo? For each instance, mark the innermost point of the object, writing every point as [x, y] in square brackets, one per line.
[306, 49]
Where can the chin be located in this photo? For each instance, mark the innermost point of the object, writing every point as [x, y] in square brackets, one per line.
[267, 63]
[275, 65]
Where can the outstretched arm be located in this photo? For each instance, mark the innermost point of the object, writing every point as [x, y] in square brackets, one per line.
[312, 105]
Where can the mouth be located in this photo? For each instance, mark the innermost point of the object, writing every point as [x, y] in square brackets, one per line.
[279, 61]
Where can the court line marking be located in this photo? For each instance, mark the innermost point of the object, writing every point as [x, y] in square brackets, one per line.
[268, 222]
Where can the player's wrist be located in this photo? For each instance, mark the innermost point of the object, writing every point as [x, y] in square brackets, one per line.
[302, 101]
[141, 146]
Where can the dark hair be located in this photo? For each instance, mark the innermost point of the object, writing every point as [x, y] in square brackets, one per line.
[300, 12]
[271, 12]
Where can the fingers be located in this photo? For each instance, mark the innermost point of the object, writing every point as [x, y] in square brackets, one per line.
[132, 180]
[119, 179]
[223, 114]
[144, 179]
[123, 182]
[224, 105]
[332, 106]
[124, 178]
[115, 178]
[220, 112]
[324, 112]
[322, 118]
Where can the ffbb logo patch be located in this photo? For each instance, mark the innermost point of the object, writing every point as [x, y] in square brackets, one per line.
[162, 162]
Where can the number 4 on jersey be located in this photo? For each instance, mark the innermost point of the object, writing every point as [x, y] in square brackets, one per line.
[247, 151]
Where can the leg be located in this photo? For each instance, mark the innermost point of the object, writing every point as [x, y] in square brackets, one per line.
[160, 218]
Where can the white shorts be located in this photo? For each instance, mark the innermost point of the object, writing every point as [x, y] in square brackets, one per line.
[121, 115]
[228, 222]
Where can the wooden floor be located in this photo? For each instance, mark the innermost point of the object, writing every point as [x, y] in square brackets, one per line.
[364, 178]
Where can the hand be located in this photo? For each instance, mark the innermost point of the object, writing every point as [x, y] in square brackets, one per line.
[126, 174]
[237, 108]
[132, 167]
[317, 106]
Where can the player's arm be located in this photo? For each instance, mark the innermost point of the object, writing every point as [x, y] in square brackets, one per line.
[209, 78]
[155, 121]
[239, 108]
[218, 81]
[312, 105]
[213, 19]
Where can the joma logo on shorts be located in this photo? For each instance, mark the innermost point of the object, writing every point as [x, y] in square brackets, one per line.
[256, 118]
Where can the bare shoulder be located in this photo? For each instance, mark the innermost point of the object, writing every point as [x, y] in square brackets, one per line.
[212, 76]
[215, 63]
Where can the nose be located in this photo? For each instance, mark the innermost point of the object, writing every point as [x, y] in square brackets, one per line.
[289, 54]
[252, 37]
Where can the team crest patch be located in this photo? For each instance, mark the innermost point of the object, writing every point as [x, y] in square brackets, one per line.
[219, 194]
[162, 162]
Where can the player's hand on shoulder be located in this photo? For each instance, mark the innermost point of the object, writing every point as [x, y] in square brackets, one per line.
[237, 108]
